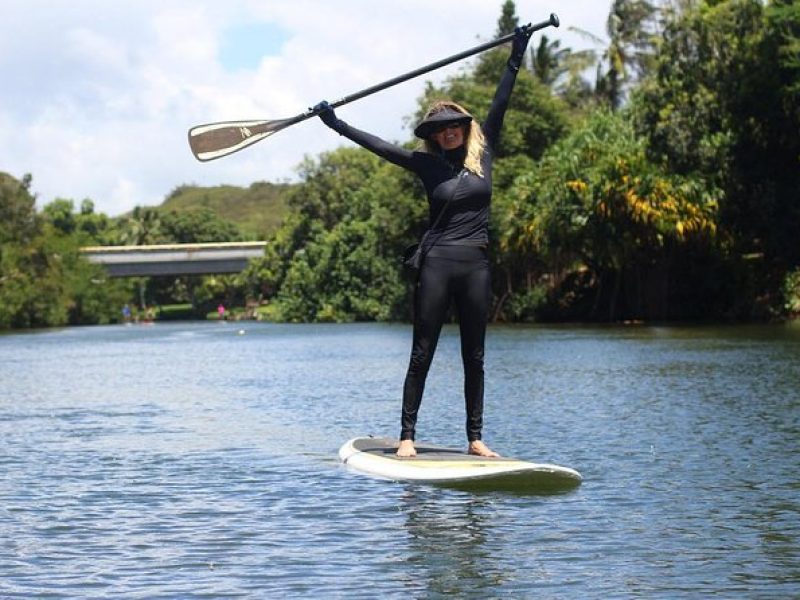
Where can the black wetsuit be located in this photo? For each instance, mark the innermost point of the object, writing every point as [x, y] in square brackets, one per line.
[456, 266]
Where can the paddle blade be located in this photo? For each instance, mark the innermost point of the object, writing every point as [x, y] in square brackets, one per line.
[216, 140]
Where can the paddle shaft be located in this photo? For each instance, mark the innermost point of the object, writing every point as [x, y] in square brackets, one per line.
[215, 140]
[378, 87]
[553, 20]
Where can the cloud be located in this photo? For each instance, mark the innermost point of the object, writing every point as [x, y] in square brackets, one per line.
[98, 96]
[245, 45]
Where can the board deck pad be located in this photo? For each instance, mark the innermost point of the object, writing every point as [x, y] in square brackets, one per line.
[452, 467]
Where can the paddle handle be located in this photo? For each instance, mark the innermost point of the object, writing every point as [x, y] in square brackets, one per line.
[551, 22]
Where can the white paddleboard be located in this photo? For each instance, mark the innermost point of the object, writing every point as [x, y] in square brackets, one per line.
[454, 468]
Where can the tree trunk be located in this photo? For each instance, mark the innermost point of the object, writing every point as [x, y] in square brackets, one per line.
[612, 305]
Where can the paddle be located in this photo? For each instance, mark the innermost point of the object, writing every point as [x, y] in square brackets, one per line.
[215, 140]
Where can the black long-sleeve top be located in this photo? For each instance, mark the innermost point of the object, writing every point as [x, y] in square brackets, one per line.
[467, 218]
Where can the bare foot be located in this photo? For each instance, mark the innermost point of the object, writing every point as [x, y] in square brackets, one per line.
[406, 449]
[480, 449]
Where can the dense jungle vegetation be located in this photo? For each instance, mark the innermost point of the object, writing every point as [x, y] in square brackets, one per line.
[665, 186]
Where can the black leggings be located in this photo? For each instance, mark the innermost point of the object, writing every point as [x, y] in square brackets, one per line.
[460, 274]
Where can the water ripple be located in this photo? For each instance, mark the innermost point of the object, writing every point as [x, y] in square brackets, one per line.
[188, 461]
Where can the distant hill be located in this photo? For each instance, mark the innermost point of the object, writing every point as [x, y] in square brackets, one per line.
[257, 210]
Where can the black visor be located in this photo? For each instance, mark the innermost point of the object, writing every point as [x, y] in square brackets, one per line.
[438, 120]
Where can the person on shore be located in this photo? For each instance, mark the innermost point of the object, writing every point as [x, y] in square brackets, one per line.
[455, 167]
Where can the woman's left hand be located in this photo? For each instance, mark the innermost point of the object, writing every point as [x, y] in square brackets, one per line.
[518, 46]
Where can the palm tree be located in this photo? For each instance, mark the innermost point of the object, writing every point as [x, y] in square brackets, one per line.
[548, 60]
[630, 50]
[629, 54]
[562, 69]
[141, 228]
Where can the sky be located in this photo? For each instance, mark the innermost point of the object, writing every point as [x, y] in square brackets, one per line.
[97, 97]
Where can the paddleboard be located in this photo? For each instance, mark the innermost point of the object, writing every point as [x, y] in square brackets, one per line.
[451, 467]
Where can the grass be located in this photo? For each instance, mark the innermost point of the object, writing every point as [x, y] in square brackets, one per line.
[257, 210]
[175, 312]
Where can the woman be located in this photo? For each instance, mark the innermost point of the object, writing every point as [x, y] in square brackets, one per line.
[456, 171]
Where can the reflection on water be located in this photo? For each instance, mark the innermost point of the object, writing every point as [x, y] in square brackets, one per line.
[187, 460]
[446, 543]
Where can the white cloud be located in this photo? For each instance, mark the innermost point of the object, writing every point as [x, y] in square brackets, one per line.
[98, 96]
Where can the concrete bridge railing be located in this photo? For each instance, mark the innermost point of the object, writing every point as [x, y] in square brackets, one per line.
[174, 259]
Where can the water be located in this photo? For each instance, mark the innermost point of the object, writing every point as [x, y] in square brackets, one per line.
[199, 461]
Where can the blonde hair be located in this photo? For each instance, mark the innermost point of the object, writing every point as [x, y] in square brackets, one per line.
[473, 137]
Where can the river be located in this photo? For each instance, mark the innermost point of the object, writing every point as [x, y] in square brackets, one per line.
[198, 460]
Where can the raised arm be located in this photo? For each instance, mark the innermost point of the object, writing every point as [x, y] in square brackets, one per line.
[391, 152]
[494, 119]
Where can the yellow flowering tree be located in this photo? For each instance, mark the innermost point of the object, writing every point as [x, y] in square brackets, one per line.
[596, 206]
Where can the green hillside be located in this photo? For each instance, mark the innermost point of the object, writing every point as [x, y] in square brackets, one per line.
[258, 210]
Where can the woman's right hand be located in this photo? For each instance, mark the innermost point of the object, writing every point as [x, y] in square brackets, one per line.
[325, 112]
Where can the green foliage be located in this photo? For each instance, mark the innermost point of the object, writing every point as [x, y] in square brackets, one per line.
[91, 297]
[44, 280]
[783, 42]
[722, 103]
[535, 117]
[90, 227]
[683, 107]
[142, 227]
[629, 52]
[48, 283]
[508, 20]
[682, 203]
[549, 60]
[32, 293]
[18, 220]
[257, 211]
[336, 259]
[31, 290]
[611, 221]
[341, 277]
[527, 304]
[197, 226]
[177, 312]
[595, 200]
[791, 292]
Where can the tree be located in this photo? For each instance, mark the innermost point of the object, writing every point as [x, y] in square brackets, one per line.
[197, 226]
[22, 258]
[621, 214]
[336, 257]
[548, 60]
[722, 103]
[90, 227]
[18, 219]
[780, 52]
[44, 280]
[535, 117]
[143, 227]
[630, 46]
[595, 202]
[60, 214]
[628, 56]
[508, 20]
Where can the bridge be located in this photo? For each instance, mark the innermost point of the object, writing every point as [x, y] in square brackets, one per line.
[174, 259]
